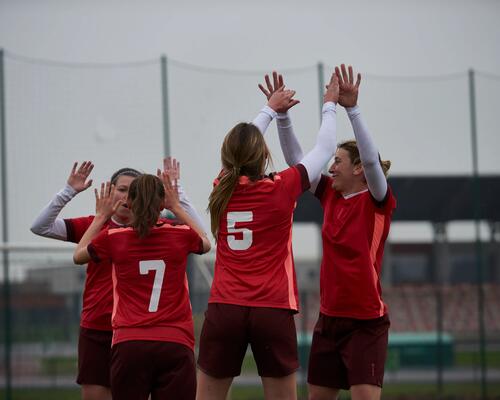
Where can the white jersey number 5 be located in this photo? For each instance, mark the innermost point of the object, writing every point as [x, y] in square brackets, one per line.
[232, 219]
[159, 267]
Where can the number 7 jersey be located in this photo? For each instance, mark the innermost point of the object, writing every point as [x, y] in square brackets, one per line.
[150, 288]
[254, 262]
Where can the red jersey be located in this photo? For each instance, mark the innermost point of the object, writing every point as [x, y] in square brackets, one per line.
[354, 233]
[150, 288]
[98, 290]
[254, 262]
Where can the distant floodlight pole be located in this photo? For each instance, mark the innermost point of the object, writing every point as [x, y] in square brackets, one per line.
[321, 88]
[166, 120]
[477, 218]
[5, 236]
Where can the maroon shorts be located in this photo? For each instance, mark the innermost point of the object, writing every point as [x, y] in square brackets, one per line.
[94, 357]
[166, 370]
[348, 352]
[227, 331]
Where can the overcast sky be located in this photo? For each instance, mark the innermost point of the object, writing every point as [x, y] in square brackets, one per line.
[60, 113]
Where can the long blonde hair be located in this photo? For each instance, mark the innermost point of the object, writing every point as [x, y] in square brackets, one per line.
[244, 152]
[147, 196]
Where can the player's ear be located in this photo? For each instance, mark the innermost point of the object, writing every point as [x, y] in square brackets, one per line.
[358, 169]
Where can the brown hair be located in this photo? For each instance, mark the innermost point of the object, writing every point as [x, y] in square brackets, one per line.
[244, 152]
[352, 148]
[146, 195]
[124, 172]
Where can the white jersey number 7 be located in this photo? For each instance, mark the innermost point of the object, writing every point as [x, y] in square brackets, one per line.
[232, 219]
[159, 267]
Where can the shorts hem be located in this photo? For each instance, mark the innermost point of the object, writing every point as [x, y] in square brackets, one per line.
[81, 383]
[328, 385]
[216, 376]
[367, 383]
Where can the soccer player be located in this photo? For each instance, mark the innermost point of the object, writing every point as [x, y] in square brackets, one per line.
[153, 338]
[254, 293]
[350, 337]
[94, 343]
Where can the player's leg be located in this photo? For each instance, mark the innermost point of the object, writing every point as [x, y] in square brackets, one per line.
[223, 344]
[94, 359]
[284, 388]
[95, 392]
[273, 338]
[366, 392]
[210, 388]
[365, 357]
[322, 392]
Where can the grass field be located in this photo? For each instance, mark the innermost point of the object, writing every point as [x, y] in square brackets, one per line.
[391, 392]
[54, 366]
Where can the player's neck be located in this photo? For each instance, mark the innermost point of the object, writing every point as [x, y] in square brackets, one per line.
[356, 187]
[118, 221]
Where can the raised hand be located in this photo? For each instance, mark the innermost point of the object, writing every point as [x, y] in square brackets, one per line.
[332, 90]
[78, 177]
[172, 167]
[348, 96]
[273, 88]
[171, 192]
[105, 206]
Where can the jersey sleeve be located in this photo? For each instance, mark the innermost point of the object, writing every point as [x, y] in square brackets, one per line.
[295, 180]
[195, 243]
[76, 227]
[99, 247]
[387, 204]
[322, 187]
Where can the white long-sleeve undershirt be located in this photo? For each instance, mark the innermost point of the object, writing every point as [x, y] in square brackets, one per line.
[325, 146]
[315, 160]
[368, 153]
[48, 223]
[264, 118]
[376, 181]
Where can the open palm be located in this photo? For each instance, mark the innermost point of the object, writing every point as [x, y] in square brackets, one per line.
[348, 96]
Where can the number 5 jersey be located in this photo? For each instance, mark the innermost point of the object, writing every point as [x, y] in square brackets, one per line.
[254, 262]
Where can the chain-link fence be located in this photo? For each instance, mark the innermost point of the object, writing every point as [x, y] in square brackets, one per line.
[445, 335]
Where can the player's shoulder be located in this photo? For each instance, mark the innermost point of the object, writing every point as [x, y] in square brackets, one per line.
[85, 220]
[170, 224]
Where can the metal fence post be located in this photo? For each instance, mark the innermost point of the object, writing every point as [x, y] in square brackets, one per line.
[166, 120]
[477, 218]
[5, 236]
[321, 87]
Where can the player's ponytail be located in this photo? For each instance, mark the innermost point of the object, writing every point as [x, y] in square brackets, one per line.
[146, 197]
[244, 152]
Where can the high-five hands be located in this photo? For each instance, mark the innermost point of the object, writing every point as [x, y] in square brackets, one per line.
[78, 177]
[279, 98]
[348, 96]
[332, 90]
[105, 205]
[171, 191]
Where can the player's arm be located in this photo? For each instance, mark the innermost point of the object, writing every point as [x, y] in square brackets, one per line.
[104, 210]
[368, 153]
[326, 141]
[172, 203]
[47, 223]
[280, 99]
[172, 168]
[290, 146]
